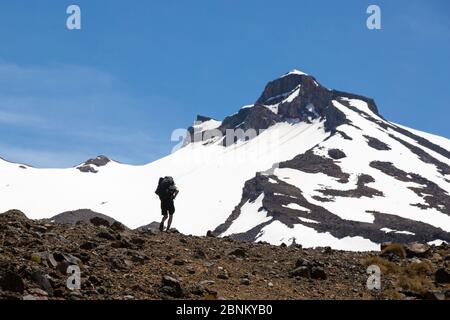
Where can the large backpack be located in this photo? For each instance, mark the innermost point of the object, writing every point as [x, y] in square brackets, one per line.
[165, 185]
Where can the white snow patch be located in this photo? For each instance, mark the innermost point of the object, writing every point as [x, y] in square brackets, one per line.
[361, 105]
[207, 125]
[250, 217]
[294, 71]
[437, 242]
[293, 95]
[285, 195]
[387, 230]
[277, 232]
[296, 206]
[308, 220]
[310, 107]
[272, 107]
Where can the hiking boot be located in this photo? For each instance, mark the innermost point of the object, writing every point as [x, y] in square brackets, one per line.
[161, 227]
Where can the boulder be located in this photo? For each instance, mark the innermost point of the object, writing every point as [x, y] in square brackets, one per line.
[191, 270]
[434, 295]
[223, 274]
[447, 294]
[42, 281]
[89, 245]
[327, 250]
[238, 252]
[303, 272]
[37, 292]
[302, 263]
[11, 281]
[61, 261]
[442, 275]
[137, 241]
[199, 254]
[120, 264]
[178, 262]
[122, 244]
[40, 229]
[106, 235]
[66, 257]
[98, 221]
[417, 249]
[318, 273]
[198, 290]
[117, 226]
[172, 287]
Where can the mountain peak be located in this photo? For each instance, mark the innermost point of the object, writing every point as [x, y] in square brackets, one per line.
[295, 71]
[92, 165]
[279, 89]
[296, 96]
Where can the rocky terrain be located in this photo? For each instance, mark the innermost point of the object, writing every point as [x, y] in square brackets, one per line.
[119, 263]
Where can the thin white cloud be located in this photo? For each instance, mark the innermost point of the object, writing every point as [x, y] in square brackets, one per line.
[57, 78]
[426, 20]
[41, 158]
[7, 117]
[89, 108]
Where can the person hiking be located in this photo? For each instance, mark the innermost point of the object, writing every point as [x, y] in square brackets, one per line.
[167, 192]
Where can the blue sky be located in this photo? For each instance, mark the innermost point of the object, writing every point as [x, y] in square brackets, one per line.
[140, 69]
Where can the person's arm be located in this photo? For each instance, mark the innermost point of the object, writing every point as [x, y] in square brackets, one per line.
[175, 193]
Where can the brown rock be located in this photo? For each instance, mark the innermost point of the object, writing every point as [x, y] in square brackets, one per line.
[417, 249]
[442, 275]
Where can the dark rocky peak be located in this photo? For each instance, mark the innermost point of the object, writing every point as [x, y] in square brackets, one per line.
[99, 161]
[279, 89]
[91, 164]
[194, 131]
[257, 117]
[201, 119]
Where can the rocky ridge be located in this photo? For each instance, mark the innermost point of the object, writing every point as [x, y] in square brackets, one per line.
[118, 263]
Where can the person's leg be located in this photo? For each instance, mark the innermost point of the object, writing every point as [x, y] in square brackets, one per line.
[161, 226]
[171, 210]
[164, 214]
[169, 223]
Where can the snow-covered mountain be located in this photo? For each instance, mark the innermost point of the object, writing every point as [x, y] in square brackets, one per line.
[303, 163]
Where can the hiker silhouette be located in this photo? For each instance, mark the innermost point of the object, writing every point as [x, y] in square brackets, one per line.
[167, 192]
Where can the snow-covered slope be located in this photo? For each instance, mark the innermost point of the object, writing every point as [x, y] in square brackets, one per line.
[210, 179]
[316, 166]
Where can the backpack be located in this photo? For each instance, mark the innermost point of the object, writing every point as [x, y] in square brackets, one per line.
[165, 187]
